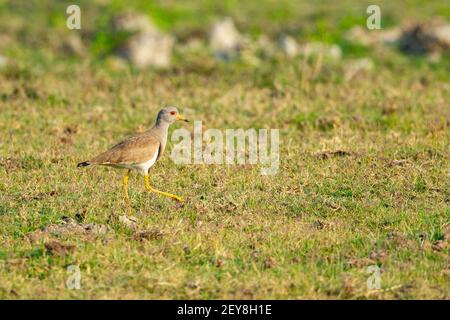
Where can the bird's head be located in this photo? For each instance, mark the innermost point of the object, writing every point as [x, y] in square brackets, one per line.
[170, 115]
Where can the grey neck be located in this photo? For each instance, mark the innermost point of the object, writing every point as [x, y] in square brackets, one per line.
[162, 125]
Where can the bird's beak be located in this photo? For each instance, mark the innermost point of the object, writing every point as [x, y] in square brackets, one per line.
[181, 118]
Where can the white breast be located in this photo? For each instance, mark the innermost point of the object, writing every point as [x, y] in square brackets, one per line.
[143, 167]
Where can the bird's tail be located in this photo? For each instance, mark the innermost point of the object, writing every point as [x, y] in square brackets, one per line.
[83, 164]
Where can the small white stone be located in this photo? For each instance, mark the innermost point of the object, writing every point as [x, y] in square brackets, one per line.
[328, 51]
[148, 49]
[289, 46]
[132, 22]
[224, 39]
[3, 61]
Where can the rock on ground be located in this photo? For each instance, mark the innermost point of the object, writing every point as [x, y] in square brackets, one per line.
[328, 51]
[148, 49]
[68, 227]
[367, 37]
[147, 46]
[425, 38]
[129, 221]
[289, 46]
[419, 38]
[132, 22]
[224, 39]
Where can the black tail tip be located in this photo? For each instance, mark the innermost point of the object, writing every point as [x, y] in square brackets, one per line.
[83, 164]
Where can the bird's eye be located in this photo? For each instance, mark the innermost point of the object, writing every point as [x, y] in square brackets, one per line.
[173, 113]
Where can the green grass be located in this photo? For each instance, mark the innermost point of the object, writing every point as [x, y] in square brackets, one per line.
[310, 231]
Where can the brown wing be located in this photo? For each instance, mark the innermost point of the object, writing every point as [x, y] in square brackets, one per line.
[137, 149]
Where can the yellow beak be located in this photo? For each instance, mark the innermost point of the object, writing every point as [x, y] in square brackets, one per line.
[181, 118]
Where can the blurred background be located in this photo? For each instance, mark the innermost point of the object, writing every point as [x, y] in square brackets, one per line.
[198, 36]
[364, 124]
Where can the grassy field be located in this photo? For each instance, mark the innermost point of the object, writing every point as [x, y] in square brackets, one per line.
[363, 179]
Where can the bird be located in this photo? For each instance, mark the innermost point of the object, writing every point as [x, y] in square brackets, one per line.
[140, 152]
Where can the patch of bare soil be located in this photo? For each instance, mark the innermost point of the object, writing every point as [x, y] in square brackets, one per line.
[58, 248]
[332, 154]
[148, 235]
[69, 227]
[375, 257]
[139, 234]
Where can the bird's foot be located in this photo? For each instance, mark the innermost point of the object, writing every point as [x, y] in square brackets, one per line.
[177, 198]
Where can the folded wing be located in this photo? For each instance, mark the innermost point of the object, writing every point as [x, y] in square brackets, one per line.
[137, 149]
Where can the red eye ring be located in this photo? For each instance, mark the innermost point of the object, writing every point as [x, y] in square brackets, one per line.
[173, 113]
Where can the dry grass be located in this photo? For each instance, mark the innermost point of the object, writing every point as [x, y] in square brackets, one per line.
[363, 180]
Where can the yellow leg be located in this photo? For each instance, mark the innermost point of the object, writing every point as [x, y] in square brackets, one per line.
[149, 188]
[125, 185]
